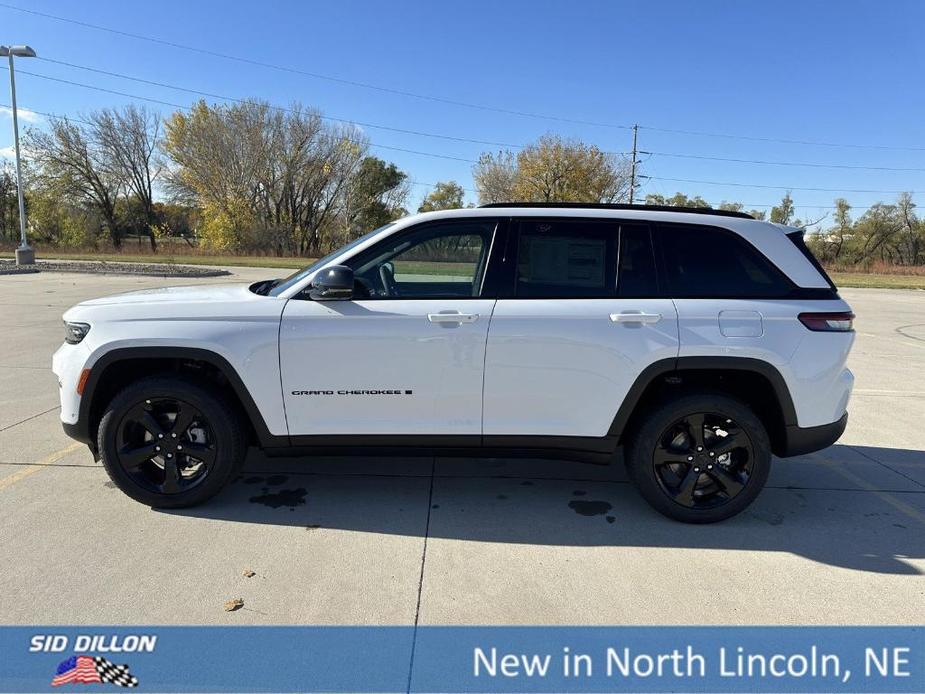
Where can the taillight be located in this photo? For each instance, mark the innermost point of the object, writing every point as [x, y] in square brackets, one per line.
[828, 322]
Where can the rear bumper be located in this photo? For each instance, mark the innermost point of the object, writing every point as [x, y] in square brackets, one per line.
[801, 440]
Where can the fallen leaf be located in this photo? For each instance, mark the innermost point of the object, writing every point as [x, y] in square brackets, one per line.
[233, 605]
[249, 574]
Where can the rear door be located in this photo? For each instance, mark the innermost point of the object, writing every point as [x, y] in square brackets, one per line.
[580, 319]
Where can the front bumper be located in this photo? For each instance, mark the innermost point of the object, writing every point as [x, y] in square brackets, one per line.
[802, 440]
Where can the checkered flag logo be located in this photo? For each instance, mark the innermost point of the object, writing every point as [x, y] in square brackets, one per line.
[115, 674]
[85, 669]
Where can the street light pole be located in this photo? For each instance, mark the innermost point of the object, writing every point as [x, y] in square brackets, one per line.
[24, 254]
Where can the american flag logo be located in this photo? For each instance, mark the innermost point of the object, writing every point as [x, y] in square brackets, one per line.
[86, 669]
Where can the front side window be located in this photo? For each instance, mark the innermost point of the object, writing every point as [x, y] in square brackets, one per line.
[707, 262]
[443, 260]
[565, 259]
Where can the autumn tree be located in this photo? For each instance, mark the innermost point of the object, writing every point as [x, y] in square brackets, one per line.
[445, 196]
[266, 177]
[553, 169]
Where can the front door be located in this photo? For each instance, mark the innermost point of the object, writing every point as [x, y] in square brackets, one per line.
[406, 355]
[583, 321]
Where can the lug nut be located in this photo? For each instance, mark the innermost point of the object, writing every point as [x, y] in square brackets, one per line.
[170, 455]
[709, 467]
[173, 436]
[696, 469]
[160, 436]
[699, 448]
[157, 448]
[179, 448]
[690, 458]
[712, 454]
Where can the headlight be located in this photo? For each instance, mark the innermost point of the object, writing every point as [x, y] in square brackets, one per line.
[75, 332]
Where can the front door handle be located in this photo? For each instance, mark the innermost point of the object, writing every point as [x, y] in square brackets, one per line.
[635, 317]
[452, 317]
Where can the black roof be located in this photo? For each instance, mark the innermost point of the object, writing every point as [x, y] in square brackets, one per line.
[616, 206]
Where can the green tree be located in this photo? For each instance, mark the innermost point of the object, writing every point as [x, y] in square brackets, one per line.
[783, 213]
[445, 196]
[677, 200]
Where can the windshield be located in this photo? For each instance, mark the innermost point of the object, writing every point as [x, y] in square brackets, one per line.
[297, 277]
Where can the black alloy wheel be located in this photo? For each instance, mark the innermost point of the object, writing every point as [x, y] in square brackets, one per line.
[171, 442]
[166, 445]
[699, 458]
[703, 460]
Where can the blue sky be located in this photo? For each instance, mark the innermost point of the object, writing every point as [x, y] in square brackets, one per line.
[839, 72]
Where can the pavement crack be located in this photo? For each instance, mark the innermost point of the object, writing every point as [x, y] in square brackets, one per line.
[29, 419]
[871, 458]
[417, 609]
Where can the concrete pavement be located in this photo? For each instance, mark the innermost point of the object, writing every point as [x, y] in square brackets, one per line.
[836, 538]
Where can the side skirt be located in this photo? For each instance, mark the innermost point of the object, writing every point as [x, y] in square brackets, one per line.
[579, 449]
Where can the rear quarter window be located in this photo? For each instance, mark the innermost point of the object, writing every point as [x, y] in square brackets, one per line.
[708, 262]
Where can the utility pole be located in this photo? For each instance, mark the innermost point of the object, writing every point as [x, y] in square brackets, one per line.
[633, 165]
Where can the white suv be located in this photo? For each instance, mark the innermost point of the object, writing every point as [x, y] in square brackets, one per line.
[700, 341]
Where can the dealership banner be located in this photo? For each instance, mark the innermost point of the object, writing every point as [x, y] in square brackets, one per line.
[653, 660]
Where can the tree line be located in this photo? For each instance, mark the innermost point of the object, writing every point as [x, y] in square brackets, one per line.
[253, 178]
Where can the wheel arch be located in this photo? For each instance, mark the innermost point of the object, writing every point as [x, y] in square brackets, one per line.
[118, 367]
[759, 384]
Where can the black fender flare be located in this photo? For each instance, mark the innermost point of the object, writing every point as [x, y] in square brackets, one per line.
[82, 432]
[677, 365]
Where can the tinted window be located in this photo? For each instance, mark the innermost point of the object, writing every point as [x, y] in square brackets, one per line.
[636, 271]
[563, 259]
[433, 262]
[709, 262]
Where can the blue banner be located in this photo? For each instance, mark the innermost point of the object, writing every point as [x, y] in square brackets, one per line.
[656, 660]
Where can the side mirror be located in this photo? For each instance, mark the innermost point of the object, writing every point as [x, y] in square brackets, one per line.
[334, 283]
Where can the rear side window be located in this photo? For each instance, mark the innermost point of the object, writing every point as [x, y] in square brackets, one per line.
[797, 239]
[565, 259]
[636, 263]
[708, 262]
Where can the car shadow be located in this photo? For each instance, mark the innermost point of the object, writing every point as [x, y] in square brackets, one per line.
[859, 508]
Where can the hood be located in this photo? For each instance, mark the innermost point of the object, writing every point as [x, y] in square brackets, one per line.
[194, 294]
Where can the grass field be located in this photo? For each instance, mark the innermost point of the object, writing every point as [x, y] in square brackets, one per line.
[873, 280]
[842, 279]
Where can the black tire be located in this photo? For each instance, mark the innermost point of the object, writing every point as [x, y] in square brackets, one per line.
[686, 482]
[167, 413]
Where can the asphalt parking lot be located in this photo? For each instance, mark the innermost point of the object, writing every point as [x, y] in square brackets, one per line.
[836, 538]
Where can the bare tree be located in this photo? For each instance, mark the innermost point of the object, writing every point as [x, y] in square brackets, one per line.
[70, 163]
[128, 139]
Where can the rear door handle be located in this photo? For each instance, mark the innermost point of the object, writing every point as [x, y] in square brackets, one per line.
[635, 317]
[452, 317]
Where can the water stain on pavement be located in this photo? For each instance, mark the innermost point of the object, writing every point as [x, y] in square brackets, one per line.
[590, 508]
[276, 480]
[284, 497]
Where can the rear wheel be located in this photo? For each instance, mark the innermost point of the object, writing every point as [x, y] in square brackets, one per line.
[169, 443]
[700, 458]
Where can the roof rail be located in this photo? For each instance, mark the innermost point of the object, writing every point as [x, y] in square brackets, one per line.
[616, 206]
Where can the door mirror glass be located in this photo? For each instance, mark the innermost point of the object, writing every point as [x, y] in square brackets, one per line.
[334, 283]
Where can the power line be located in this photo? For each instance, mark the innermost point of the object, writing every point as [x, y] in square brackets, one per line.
[813, 143]
[58, 116]
[681, 155]
[316, 75]
[783, 163]
[444, 100]
[757, 185]
[376, 126]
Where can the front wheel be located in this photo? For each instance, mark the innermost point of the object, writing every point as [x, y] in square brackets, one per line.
[700, 458]
[169, 443]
